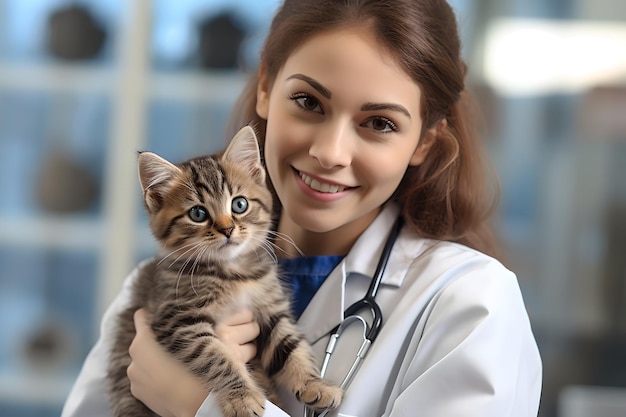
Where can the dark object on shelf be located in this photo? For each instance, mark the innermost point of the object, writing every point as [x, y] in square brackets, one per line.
[64, 185]
[51, 345]
[220, 39]
[73, 33]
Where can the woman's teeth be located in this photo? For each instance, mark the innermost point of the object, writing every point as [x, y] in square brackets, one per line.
[321, 187]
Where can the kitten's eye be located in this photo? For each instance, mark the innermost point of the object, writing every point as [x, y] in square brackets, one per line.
[198, 214]
[240, 204]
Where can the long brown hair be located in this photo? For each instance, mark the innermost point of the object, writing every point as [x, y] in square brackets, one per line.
[448, 196]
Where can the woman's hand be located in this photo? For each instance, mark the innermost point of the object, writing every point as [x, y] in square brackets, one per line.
[239, 332]
[162, 383]
[157, 379]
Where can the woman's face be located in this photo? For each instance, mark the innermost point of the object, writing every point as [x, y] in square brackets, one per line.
[343, 125]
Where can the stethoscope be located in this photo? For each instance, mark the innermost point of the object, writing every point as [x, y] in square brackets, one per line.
[370, 330]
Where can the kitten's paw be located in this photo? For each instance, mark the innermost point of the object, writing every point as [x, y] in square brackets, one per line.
[320, 394]
[249, 405]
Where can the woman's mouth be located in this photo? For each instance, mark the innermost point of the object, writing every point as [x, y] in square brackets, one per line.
[321, 186]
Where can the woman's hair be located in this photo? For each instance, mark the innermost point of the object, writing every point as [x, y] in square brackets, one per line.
[446, 197]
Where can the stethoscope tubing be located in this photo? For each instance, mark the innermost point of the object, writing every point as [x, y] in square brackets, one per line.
[370, 332]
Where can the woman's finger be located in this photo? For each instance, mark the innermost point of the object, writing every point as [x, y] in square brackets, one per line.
[239, 331]
[239, 334]
[247, 352]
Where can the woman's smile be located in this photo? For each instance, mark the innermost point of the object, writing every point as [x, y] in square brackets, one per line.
[320, 189]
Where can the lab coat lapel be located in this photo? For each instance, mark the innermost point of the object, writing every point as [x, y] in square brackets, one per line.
[325, 311]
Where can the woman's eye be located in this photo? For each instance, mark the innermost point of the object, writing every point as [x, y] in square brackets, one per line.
[198, 214]
[381, 125]
[308, 103]
[239, 205]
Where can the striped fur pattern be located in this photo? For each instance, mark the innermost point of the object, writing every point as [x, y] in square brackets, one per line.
[212, 217]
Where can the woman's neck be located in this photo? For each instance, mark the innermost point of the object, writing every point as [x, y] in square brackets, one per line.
[334, 242]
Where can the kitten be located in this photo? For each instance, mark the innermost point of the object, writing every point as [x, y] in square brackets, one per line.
[212, 217]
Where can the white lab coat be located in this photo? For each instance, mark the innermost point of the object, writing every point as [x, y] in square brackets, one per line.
[455, 341]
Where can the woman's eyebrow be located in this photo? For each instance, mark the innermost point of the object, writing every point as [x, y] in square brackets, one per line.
[319, 87]
[386, 106]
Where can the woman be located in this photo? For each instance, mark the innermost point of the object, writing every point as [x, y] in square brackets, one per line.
[362, 117]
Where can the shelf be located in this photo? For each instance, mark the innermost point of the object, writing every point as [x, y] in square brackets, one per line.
[183, 85]
[50, 232]
[35, 389]
[52, 77]
[190, 85]
[79, 234]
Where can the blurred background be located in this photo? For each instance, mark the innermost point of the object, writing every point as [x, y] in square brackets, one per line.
[85, 84]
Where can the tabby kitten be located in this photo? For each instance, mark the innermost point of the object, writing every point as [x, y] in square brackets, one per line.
[212, 216]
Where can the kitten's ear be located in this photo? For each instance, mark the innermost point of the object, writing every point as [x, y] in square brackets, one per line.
[154, 172]
[243, 150]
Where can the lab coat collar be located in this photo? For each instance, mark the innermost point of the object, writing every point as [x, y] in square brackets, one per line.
[325, 311]
[365, 254]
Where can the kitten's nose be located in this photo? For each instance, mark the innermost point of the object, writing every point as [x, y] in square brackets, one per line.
[224, 225]
[226, 231]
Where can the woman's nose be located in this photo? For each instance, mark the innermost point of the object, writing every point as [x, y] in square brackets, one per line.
[332, 146]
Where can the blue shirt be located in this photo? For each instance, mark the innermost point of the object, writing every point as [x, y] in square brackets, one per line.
[304, 275]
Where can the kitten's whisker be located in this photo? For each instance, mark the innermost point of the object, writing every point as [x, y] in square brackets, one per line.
[198, 256]
[193, 248]
[269, 248]
[193, 267]
[176, 292]
[285, 238]
[181, 248]
[267, 251]
[181, 270]
[197, 248]
[176, 250]
[188, 248]
[275, 249]
[266, 245]
[178, 278]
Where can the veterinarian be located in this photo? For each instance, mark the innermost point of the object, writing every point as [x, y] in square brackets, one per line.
[363, 118]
